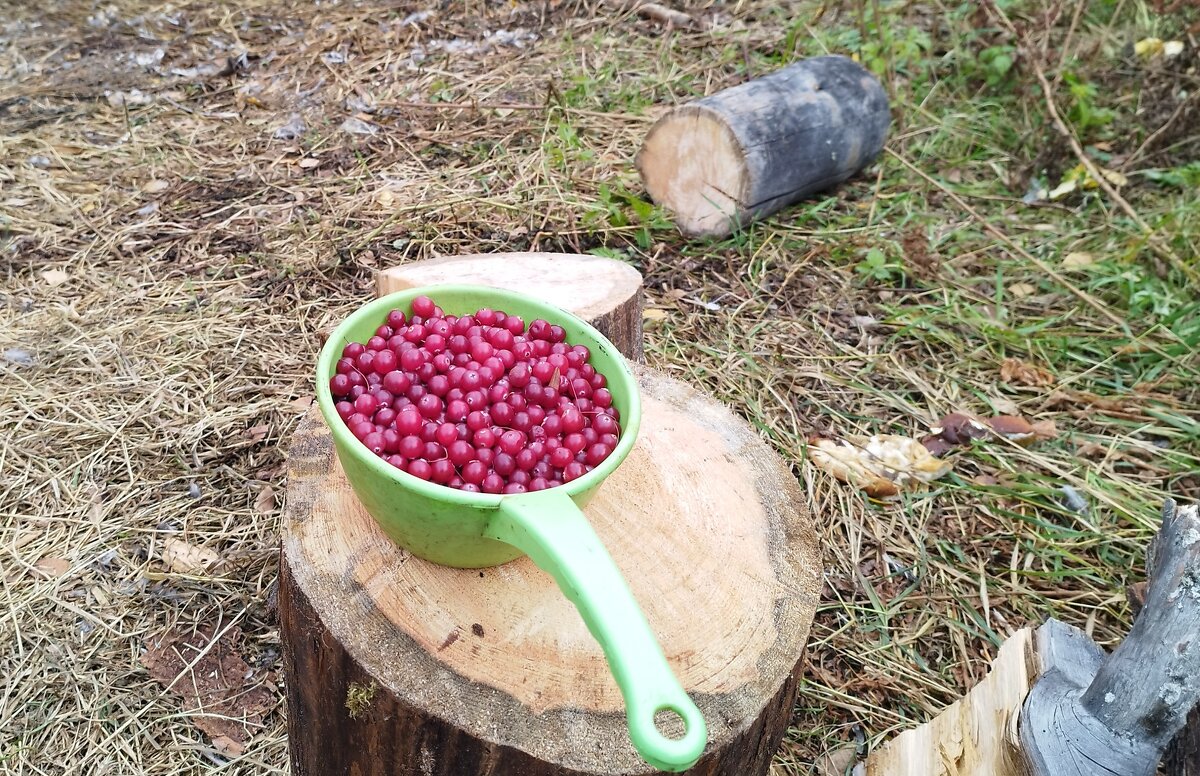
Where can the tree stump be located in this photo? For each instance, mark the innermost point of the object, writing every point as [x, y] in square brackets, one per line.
[604, 292]
[399, 666]
[743, 153]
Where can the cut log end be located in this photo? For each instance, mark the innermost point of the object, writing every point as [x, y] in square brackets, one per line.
[691, 164]
[604, 292]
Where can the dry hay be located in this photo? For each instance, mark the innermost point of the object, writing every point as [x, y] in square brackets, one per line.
[170, 253]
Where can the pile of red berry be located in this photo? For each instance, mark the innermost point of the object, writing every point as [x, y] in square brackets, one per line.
[478, 402]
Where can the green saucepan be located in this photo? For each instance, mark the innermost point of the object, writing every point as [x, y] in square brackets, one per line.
[473, 530]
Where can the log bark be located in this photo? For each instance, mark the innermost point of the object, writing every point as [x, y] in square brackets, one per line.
[401, 667]
[743, 153]
[604, 292]
[1089, 714]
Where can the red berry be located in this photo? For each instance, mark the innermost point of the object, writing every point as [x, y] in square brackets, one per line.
[411, 446]
[429, 406]
[484, 438]
[573, 442]
[573, 471]
[493, 483]
[366, 404]
[344, 409]
[420, 469]
[511, 442]
[474, 472]
[353, 350]
[339, 385]
[460, 452]
[423, 306]
[396, 319]
[456, 410]
[596, 454]
[561, 457]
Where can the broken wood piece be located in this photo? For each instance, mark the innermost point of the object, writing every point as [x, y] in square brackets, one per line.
[743, 153]
[1078, 711]
[1120, 720]
[974, 736]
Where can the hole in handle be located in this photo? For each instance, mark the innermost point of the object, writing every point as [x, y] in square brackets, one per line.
[670, 723]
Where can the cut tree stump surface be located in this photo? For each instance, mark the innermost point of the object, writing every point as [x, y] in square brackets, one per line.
[452, 671]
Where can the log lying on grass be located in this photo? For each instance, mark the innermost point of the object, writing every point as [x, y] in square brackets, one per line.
[1065, 708]
[399, 667]
[745, 152]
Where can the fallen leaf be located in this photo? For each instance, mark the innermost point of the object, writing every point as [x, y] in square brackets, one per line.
[55, 277]
[307, 163]
[356, 126]
[882, 465]
[228, 747]
[155, 186]
[653, 314]
[302, 403]
[265, 503]
[226, 698]
[985, 480]
[1044, 429]
[184, 558]
[1014, 371]
[1077, 260]
[1020, 290]
[959, 429]
[1013, 428]
[52, 566]
[1172, 48]
[385, 198]
[257, 433]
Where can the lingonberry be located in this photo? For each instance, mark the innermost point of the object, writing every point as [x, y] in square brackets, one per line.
[480, 403]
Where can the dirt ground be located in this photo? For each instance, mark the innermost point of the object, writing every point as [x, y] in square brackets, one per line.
[190, 192]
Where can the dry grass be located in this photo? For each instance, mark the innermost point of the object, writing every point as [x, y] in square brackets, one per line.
[166, 267]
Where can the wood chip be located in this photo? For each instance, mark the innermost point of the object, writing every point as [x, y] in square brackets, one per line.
[184, 558]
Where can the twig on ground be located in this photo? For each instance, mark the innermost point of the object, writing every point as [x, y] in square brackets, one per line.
[1090, 300]
[1091, 167]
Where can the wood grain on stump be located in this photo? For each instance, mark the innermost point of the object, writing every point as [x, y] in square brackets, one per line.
[402, 667]
[747, 151]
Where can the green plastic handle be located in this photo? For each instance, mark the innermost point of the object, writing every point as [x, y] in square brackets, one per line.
[551, 529]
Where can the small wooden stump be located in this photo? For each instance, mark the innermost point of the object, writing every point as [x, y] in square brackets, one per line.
[750, 150]
[399, 666]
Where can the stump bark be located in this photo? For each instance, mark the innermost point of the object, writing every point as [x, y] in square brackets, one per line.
[743, 153]
[399, 666]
